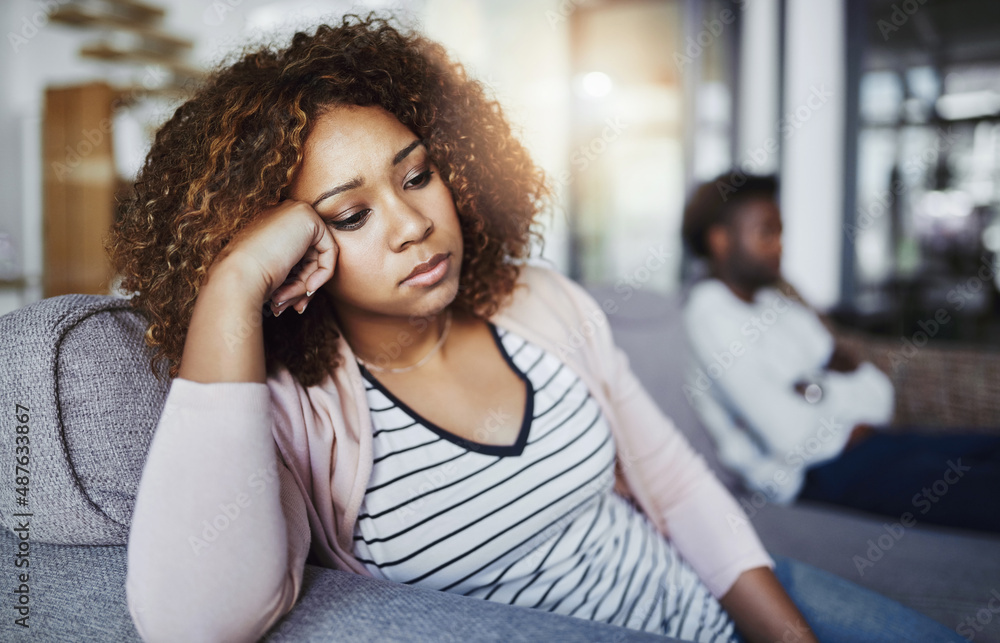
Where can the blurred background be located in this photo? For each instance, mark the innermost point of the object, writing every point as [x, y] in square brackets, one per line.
[881, 118]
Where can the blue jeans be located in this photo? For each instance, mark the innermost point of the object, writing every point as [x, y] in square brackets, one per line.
[943, 479]
[838, 611]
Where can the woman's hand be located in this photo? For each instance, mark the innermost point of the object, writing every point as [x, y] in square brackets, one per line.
[283, 256]
[763, 610]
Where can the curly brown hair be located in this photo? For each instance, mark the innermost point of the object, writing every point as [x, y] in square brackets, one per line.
[232, 150]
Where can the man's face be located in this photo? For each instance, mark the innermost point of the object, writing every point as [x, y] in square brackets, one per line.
[755, 243]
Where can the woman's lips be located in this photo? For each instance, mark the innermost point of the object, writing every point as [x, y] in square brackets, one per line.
[429, 272]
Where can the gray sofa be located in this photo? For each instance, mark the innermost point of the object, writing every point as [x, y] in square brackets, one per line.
[80, 367]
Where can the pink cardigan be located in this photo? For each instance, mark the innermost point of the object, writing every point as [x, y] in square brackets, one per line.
[243, 477]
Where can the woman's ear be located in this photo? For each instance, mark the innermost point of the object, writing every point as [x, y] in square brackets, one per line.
[719, 240]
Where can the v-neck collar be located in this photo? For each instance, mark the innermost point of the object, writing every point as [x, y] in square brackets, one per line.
[514, 449]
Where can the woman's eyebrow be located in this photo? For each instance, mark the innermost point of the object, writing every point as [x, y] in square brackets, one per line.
[403, 153]
[358, 181]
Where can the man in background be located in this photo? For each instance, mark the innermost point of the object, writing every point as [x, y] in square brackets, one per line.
[790, 410]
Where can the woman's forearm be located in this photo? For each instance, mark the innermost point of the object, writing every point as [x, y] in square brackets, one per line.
[225, 340]
[763, 611]
[209, 555]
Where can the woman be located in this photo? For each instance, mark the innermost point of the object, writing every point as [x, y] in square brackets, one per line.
[421, 417]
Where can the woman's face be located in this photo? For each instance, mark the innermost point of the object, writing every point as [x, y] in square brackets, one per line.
[371, 179]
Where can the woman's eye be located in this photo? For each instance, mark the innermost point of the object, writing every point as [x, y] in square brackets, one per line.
[420, 180]
[352, 222]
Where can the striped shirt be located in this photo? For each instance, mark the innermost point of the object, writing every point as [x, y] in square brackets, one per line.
[536, 523]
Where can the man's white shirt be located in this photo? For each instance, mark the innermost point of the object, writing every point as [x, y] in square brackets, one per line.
[749, 357]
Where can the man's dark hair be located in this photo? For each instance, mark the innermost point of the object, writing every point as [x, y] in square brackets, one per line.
[713, 203]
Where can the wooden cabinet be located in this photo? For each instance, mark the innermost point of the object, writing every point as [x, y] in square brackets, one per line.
[79, 189]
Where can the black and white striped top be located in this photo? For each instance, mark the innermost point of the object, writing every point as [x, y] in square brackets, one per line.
[536, 523]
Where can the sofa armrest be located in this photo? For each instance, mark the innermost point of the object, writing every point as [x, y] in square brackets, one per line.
[77, 593]
[346, 607]
[943, 387]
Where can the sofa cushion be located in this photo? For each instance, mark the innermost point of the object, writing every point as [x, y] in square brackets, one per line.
[81, 367]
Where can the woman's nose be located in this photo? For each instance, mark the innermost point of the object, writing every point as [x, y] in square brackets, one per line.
[410, 224]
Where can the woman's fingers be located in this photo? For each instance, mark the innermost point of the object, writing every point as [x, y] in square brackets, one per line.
[294, 285]
[308, 275]
[325, 259]
[300, 305]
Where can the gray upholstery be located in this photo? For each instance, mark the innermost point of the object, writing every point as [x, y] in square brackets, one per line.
[80, 365]
[78, 595]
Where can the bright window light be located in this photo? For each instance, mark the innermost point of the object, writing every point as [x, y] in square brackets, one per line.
[597, 84]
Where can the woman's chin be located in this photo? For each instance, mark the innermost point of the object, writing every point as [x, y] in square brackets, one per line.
[437, 302]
